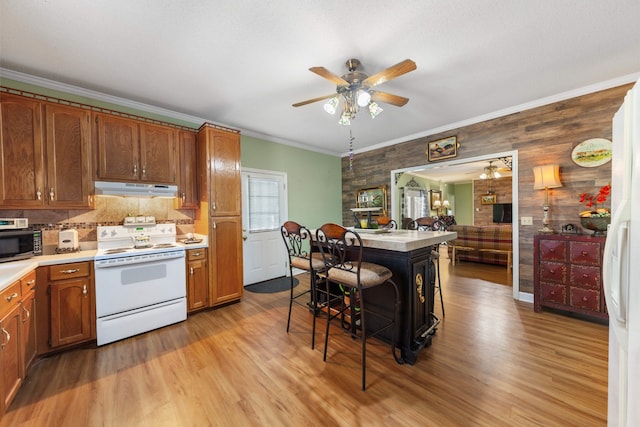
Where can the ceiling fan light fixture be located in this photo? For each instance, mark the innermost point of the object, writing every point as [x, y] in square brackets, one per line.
[374, 110]
[363, 98]
[331, 105]
[345, 119]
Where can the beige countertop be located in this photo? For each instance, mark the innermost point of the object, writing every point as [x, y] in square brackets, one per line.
[14, 270]
[403, 240]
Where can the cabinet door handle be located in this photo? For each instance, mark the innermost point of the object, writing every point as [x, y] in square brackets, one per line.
[8, 336]
[196, 254]
[90, 199]
[84, 290]
[10, 297]
[214, 206]
[184, 197]
[28, 315]
[39, 193]
[585, 299]
[70, 271]
[214, 225]
[191, 271]
[51, 194]
[135, 169]
[144, 170]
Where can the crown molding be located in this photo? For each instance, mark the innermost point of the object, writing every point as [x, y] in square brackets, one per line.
[574, 93]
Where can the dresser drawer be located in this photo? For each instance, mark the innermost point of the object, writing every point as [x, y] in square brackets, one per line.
[69, 271]
[553, 250]
[10, 297]
[553, 272]
[196, 254]
[586, 299]
[584, 276]
[554, 293]
[585, 253]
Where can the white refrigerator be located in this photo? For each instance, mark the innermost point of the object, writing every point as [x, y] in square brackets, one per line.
[621, 268]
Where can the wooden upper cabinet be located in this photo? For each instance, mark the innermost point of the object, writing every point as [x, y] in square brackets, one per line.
[131, 151]
[188, 189]
[21, 146]
[223, 170]
[117, 146]
[68, 156]
[157, 154]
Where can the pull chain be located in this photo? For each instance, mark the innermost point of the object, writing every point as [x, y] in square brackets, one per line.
[351, 138]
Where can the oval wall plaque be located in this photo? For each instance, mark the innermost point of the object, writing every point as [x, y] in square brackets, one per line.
[592, 152]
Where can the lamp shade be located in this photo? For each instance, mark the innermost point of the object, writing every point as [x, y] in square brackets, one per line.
[546, 176]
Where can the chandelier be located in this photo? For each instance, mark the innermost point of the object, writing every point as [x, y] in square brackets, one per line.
[490, 172]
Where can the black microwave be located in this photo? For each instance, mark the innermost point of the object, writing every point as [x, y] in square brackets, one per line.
[20, 244]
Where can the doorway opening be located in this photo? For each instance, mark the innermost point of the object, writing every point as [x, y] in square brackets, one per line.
[431, 169]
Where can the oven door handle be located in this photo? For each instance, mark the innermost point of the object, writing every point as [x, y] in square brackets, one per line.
[108, 263]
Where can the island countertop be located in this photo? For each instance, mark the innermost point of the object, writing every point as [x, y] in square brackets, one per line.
[402, 240]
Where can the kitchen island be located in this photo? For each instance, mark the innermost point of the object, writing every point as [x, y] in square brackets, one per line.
[408, 254]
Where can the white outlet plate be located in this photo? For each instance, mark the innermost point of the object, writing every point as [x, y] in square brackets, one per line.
[526, 220]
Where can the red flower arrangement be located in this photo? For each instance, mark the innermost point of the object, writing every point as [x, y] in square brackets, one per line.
[592, 202]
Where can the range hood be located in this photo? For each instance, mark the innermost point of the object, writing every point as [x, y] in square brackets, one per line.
[129, 189]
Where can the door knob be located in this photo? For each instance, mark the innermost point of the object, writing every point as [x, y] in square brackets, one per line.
[244, 237]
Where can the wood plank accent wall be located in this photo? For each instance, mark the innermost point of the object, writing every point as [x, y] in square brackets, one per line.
[501, 187]
[541, 135]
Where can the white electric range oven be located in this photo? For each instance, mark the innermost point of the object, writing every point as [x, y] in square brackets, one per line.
[140, 280]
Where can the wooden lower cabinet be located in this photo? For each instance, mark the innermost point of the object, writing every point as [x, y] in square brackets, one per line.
[18, 335]
[65, 297]
[197, 280]
[225, 260]
[28, 313]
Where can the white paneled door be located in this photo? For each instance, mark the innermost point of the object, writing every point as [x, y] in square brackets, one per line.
[264, 208]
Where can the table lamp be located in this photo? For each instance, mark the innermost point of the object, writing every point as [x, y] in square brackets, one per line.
[546, 177]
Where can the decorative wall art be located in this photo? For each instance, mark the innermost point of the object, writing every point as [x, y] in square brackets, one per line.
[592, 152]
[488, 199]
[445, 148]
[374, 197]
[433, 196]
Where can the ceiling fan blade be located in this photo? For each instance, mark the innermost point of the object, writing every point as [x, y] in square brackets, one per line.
[390, 73]
[310, 101]
[323, 72]
[388, 98]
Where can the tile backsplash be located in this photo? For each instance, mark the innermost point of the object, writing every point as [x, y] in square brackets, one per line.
[108, 211]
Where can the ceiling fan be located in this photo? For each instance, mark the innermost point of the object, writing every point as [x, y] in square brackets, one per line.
[355, 88]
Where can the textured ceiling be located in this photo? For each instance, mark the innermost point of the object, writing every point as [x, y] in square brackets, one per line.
[243, 63]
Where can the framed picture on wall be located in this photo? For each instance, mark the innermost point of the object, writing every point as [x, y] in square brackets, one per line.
[444, 148]
[433, 197]
[374, 197]
[488, 199]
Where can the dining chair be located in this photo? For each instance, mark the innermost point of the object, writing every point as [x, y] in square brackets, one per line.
[298, 239]
[428, 223]
[342, 251]
[386, 222]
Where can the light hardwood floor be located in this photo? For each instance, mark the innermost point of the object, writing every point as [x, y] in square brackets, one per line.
[493, 362]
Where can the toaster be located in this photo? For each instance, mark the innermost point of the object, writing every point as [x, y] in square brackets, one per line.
[68, 239]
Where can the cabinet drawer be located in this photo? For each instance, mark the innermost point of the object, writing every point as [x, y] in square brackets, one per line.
[195, 254]
[553, 272]
[69, 271]
[10, 297]
[28, 282]
[585, 276]
[553, 250]
[585, 253]
[555, 293]
[587, 299]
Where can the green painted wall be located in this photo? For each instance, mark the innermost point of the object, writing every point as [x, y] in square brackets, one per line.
[463, 203]
[314, 180]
